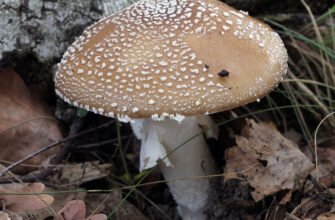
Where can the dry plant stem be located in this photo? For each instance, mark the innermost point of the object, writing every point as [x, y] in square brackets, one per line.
[320, 40]
[281, 114]
[312, 96]
[306, 90]
[332, 29]
[144, 184]
[255, 117]
[310, 53]
[75, 127]
[299, 112]
[143, 196]
[95, 211]
[102, 143]
[306, 64]
[315, 145]
[292, 217]
[325, 61]
[27, 121]
[153, 204]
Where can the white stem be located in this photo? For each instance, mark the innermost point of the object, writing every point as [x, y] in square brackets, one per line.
[191, 159]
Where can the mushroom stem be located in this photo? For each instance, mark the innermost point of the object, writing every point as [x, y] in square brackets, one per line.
[191, 159]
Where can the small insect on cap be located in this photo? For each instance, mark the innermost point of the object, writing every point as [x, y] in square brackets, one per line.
[171, 58]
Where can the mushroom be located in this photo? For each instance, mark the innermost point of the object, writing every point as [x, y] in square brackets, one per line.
[164, 65]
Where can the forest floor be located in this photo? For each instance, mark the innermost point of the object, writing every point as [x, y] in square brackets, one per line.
[287, 171]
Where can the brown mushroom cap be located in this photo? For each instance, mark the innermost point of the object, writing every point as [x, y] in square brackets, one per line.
[161, 58]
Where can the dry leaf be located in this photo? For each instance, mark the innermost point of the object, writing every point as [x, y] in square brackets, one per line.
[286, 198]
[98, 217]
[326, 216]
[312, 208]
[79, 174]
[270, 161]
[25, 123]
[327, 154]
[74, 210]
[4, 216]
[59, 201]
[126, 211]
[26, 202]
[331, 191]
[293, 135]
[106, 205]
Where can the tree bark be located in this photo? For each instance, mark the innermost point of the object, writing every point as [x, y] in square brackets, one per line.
[46, 28]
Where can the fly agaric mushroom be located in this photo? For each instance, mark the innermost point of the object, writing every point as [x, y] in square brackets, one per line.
[164, 65]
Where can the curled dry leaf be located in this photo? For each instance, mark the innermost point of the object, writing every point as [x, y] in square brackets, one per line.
[25, 123]
[25, 202]
[270, 161]
[76, 210]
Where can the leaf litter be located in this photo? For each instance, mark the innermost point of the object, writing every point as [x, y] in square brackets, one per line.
[26, 124]
[18, 203]
[271, 162]
[76, 210]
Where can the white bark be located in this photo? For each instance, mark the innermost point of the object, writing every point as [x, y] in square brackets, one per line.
[191, 159]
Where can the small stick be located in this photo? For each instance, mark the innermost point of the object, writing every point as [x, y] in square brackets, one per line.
[64, 151]
[102, 143]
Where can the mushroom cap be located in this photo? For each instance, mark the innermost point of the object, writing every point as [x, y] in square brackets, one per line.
[171, 58]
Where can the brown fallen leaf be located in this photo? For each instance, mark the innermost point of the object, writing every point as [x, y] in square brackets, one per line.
[327, 155]
[76, 210]
[326, 216]
[97, 203]
[79, 174]
[59, 201]
[312, 208]
[293, 135]
[126, 211]
[4, 216]
[98, 217]
[270, 161]
[25, 202]
[25, 123]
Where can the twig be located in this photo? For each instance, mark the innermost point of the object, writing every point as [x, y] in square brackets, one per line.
[73, 133]
[255, 117]
[102, 143]
[75, 127]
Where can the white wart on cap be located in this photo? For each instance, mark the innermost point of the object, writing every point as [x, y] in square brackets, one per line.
[171, 58]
